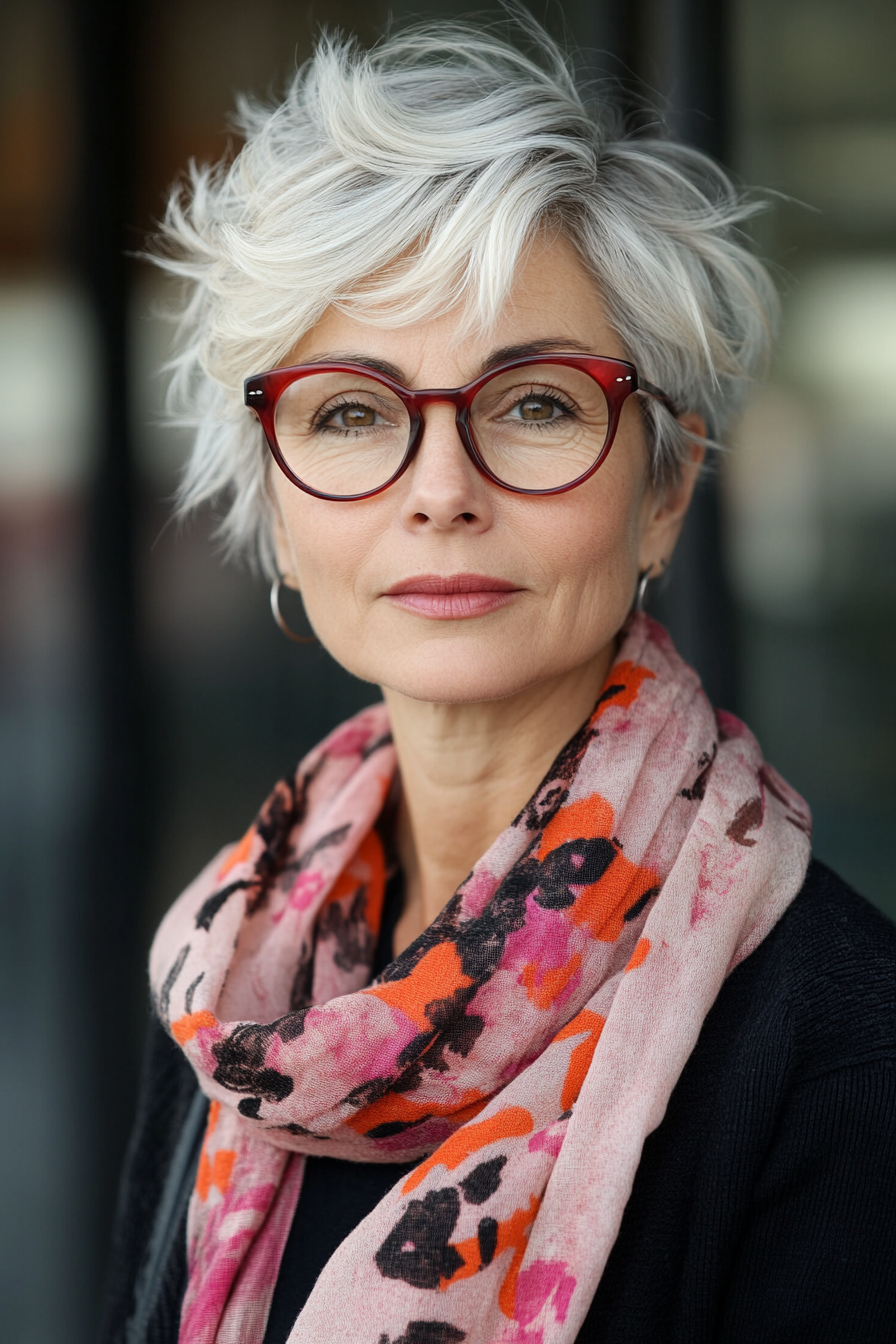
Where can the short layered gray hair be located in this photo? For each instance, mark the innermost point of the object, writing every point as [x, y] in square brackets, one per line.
[409, 180]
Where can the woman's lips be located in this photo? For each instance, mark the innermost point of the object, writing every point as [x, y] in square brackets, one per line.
[452, 597]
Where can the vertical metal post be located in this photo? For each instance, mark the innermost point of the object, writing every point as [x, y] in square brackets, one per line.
[113, 862]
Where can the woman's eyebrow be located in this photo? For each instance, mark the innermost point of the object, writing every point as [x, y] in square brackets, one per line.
[546, 346]
[502, 355]
[351, 357]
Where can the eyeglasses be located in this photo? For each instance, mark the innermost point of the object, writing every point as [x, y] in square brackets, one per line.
[538, 425]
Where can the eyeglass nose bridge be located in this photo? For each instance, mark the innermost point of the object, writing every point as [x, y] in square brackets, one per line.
[456, 396]
[461, 398]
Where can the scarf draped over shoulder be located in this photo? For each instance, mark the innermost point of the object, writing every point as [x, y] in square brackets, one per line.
[520, 1051]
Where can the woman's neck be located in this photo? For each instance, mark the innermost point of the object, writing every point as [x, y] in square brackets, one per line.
[467, 770]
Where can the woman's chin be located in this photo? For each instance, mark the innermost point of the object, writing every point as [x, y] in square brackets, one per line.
[439, 677]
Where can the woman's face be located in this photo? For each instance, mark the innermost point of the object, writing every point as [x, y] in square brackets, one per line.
[567, 565]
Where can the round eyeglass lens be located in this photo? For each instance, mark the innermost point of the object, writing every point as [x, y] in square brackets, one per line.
[541, 426]
[341, 433]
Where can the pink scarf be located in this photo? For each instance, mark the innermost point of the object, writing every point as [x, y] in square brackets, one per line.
[520, 1050]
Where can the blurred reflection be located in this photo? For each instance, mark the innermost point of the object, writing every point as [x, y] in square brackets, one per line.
[776, 537]
[811, 487]
[841, 350]
[47, 388]
[816, 449]
[47, 405]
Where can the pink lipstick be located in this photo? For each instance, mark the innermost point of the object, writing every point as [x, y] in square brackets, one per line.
[452, 597]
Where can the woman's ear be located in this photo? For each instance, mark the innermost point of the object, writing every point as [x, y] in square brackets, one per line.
[670, 502]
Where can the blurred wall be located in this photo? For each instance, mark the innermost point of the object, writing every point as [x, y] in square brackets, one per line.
[147, 702]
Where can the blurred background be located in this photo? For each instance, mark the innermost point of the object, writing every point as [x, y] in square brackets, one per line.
[147, 702]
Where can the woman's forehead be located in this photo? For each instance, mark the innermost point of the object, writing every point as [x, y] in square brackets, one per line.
[553, 306]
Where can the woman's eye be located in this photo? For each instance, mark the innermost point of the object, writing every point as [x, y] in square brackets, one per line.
[537, 409]
[350, 417]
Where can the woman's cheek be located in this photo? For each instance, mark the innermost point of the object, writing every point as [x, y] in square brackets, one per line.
[602, 553]
[325, 570]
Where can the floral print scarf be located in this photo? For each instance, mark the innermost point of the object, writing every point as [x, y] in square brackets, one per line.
[520, 1051]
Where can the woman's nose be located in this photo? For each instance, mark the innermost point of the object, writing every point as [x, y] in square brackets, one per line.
[445, 488]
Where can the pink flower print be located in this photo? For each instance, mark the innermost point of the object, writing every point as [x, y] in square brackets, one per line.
[535, 1286]
[306, 886]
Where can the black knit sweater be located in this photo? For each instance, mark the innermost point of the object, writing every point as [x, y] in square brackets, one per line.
[764, 1208]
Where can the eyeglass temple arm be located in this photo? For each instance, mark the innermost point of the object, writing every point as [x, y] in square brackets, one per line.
[652, 390]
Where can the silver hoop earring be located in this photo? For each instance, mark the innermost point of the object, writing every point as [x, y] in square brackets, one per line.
[278, 617]
[640, 593]
[643, 581]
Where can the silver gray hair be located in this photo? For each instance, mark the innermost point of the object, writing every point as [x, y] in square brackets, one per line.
[408, 181]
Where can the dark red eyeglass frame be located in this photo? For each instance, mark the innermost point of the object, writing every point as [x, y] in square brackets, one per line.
[616, 377]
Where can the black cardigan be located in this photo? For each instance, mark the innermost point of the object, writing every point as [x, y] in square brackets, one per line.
[764, 1207]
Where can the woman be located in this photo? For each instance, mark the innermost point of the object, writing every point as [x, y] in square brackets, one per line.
[521, 1011]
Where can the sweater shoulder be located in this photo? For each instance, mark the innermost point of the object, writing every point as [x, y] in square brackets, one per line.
[167, 1088]
[828, 970]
